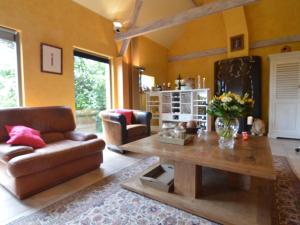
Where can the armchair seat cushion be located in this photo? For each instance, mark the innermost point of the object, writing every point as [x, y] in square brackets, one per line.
[54, 154]
[136, 131]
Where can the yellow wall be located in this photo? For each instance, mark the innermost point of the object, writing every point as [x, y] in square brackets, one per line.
[265, 19]
[235, 24]
[202, 34]
[58, 22]
[152, 56]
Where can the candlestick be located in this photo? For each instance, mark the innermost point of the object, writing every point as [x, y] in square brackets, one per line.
[199, 81]
[203, 85]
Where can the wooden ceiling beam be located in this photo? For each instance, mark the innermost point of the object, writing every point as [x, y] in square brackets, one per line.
[197, 3]
[132, 22]
[183, 17]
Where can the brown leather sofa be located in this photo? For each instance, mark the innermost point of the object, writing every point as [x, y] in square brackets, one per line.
[117, 133]
[25, 171]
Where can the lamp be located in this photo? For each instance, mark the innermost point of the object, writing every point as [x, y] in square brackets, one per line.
[117, 26]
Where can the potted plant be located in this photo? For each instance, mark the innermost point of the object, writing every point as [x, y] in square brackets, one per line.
[228, 108]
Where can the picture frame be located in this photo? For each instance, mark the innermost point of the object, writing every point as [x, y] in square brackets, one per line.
[237, 43]
[51, 59]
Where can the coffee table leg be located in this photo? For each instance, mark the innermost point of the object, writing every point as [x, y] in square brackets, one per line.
[188, 179]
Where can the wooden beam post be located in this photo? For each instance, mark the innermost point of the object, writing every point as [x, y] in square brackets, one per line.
[186, 16]
[136, 12]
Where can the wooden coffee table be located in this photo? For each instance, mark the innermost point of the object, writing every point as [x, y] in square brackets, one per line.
[226, 186]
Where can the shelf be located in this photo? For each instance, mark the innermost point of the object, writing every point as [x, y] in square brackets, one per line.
[200, 120]
[178, 106]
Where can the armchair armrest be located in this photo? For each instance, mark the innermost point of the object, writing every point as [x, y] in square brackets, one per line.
[114, 127]
[113, 117]
[143, 118]
[79, 136]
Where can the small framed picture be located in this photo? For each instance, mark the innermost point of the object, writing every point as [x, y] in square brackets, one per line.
[51, 59]
[237, 43]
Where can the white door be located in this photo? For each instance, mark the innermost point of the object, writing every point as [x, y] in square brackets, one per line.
[285, 96]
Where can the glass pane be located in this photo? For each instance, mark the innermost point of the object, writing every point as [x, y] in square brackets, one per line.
[8, 74]
[90, 93]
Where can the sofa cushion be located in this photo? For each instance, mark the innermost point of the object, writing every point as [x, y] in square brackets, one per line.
[21, 135]
[53, 137]
[8, 152]
[79, 136]
[52, 155]
[127, 113]
[136, 130]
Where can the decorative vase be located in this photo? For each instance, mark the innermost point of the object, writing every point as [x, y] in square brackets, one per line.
[227, 129]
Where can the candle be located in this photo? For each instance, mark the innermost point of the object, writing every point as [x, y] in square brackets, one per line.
[249, 120]
[203, 86]
[245, 136]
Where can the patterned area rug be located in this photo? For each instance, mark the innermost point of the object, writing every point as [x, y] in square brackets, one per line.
[105, 202]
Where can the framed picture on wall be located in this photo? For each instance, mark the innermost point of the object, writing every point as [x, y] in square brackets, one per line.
[237, 43]
[51, 59]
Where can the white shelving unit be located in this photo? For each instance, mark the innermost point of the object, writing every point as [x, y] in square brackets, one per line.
[181, 106]
[153, 105]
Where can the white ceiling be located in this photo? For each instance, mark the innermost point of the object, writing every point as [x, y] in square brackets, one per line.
[151, 10]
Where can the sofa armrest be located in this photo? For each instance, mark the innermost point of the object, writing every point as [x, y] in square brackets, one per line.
[141, 117]
[7, 152]
[79, 136]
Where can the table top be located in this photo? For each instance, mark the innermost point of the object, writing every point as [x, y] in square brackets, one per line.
[252, 157]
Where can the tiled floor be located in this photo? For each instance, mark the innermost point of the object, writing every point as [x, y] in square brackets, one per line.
[11, 208]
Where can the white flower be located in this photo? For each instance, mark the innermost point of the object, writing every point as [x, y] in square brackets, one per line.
[226, 99]
[242, 102]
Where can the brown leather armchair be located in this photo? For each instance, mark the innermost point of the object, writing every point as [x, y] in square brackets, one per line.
[117, 133]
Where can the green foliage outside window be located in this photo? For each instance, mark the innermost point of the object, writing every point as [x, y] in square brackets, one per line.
[90, 85]
[8, 75]
[90, 88]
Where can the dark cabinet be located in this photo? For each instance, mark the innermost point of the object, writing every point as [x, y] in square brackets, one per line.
[240, 75]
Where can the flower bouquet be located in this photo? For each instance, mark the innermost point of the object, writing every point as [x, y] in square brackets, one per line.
[227, 108]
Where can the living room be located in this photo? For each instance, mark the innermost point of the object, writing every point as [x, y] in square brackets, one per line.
[148, 111]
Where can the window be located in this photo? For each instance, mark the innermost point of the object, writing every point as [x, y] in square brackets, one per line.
[147, 82]
[10, 82]
[92, 90]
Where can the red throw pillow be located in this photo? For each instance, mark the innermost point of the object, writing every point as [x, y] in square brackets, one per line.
[127, 113]
[21, 135]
